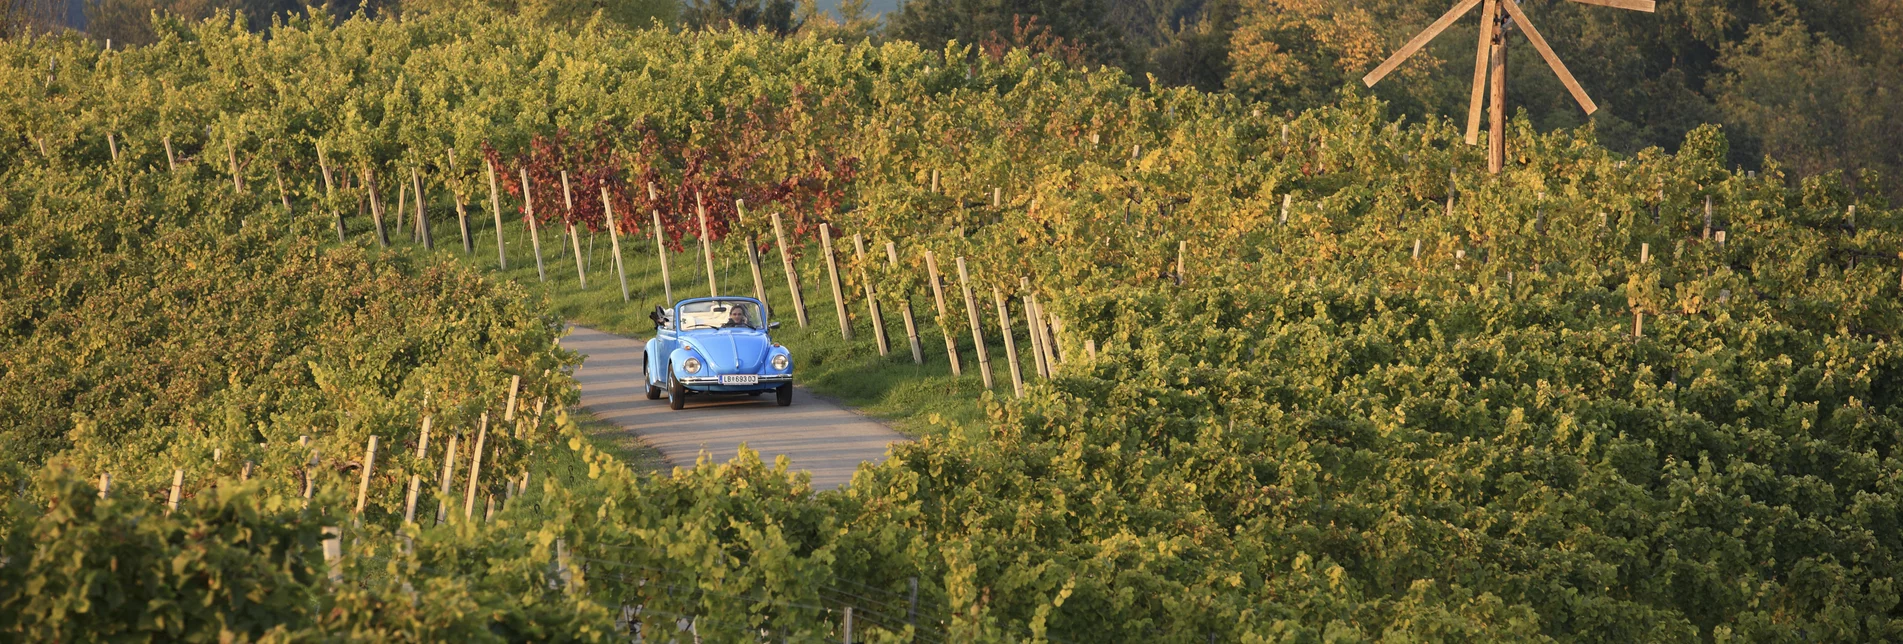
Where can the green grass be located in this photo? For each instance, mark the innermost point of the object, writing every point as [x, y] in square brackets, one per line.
[913, 399]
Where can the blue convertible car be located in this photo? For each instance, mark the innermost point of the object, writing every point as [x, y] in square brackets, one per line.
[716, 345]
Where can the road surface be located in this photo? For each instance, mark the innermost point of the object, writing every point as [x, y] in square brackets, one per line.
[816, 435]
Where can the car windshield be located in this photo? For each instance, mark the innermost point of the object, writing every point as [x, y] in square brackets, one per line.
[721, 314]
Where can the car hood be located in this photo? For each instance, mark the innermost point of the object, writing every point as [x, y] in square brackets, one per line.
[732, 352]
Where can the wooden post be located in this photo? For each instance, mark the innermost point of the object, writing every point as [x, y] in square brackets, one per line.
[1645, 253]
[403, 208]
[1010, 343]
[1090, 348]
[422, 213]
[515, 385]
[832, 271]
[178, 481]
[535, 234]
[245, 474]
[330, 192]
[334, 553]
[1638, 324]
[449, 473]
[792, 276]
[1707, 234]
[574, 237]
[284, 195]
[422, 443]
[753, 263]
[660, 249]
[1497, 99]
[905, 307]
[1286, 200]
[105, 484]
[872, 302]
[1417, 250]
[495, 208]
[310, 481]
[706, 250]
[614, 239]
[938, 300]
[369, 463]
[489, 508]
[376, 207]
[456, 195]
[1034, 323]
[977, 328]
[475, 467]
[231, 156]
[409, 503]
[934, 180]
[171, 160]
[1182, 248]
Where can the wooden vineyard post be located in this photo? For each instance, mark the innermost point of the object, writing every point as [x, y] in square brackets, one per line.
[977, 326]
[1034, 322]
[1638, 324]
[178, 481]
[462, 212]
[706, 249]
[905, 307]
[105, 485]
[535, 236]
[1707, 234]
[1010, 343]
[574, 238]
[330, 192]
[245, 474]
[449, 474]
[403, 209]
[660, 250]
[231, 158]
[369, 463]
[753, 254]
[376, 207]
[495, 208]
[792, 276]
[422, 442]
[1497, 97]
[1286, 200]
[310, 481]
[1645, 253]
[872, 301]
[171, 160]
[1182, 248]
[1090, 348]
[475, 467]
[938, 300]
[515, 385]
[614, 240]
[422, 213]
[1417, 250]
[284, 195]
[409, 501]
[832, 271]
[334, 553]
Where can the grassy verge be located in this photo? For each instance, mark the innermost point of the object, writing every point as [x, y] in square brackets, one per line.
[915, 399]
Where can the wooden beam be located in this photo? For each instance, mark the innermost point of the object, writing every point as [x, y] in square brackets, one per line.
[1474, 102]
[1420, 40]
[1635, 5]
[1552, 59]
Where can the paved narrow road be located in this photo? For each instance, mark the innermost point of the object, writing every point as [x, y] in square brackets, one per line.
[815, 435]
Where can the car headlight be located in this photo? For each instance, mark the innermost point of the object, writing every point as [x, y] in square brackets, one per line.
[692, 365]
[780, 362]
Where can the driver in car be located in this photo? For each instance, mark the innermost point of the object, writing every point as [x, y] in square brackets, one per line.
[737, 318]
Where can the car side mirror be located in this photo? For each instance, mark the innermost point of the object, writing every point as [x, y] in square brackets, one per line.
[772, 325]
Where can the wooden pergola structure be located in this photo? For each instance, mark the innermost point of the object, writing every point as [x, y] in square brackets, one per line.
[1490, 63]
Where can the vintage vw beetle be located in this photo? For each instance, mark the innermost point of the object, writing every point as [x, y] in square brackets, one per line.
[716, 345]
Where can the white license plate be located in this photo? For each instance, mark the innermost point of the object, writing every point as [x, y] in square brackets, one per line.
[740, 379]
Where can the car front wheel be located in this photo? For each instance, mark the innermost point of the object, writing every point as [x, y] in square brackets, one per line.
[676, 392]
[654, 390]
[784, 395]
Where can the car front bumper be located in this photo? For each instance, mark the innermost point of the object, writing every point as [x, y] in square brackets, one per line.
[766, 381]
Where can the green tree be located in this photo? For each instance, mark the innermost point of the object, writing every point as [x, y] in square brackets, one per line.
[1056, 24]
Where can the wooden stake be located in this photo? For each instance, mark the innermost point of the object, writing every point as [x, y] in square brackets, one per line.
[409, 503]
[1286, 200]
[245, 474]
[574, 237]
[1182, 248]
[938, 300]
[614, 240]
[171, 160]
[369, 463]
[1090, 348]
[475, 467]
[792, 275]
[334, 553]
[1497, 101]
[376, 207]
[178, 481]
[1010, 344]
[105, 485]
[515, 385]
[495, 208]
[753, 263]
[422, 213]
[977, 329]
[1638, 324]
[330, 192]
[905, 307]
[422, 443]
[934, 180]
[112, 143]
[284, 195]
[660, 249]
[403, 208]
[832, 271]
[449, 473]
[872, 302]
[535, 234]
[310, 478]
[1034, 323]
[1645, 253]
[1417, 250]
[706, 250]
[231, 156]
[1707, 234]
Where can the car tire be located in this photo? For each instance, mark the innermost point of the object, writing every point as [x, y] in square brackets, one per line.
[676, 392]
[784, 395]
[654, 390]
